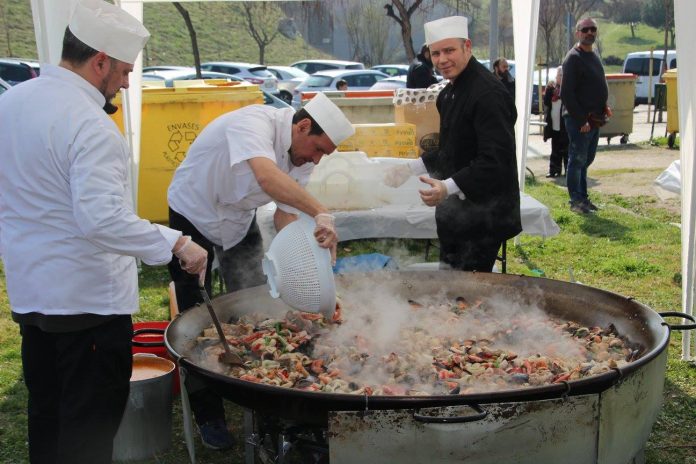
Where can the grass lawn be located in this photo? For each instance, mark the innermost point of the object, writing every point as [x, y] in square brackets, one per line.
[629, 247]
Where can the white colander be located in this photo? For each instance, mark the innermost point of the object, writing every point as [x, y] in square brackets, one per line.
[299, 270]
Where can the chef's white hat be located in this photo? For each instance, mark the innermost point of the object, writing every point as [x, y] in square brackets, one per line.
[451, 27]
[107, 28]
[330, 118]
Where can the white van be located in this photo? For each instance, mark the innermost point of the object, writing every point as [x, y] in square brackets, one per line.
[638, 63]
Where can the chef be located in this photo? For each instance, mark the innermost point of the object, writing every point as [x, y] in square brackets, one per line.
[240, 161]
[69, 238]
[472, 176]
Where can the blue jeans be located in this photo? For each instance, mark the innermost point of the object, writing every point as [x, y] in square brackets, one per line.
[582, 148]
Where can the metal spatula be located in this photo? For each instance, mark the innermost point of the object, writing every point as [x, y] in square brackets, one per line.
[228, 357]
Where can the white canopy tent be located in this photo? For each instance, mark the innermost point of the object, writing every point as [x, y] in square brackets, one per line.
[51, 18]
[684, 12]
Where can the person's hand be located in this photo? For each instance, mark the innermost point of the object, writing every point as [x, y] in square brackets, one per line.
[585, 128]
[325, 233]
[397, 175]
[434, 195]
[192, 257]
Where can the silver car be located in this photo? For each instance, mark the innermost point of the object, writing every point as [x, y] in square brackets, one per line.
[255, 73]
[358, 79]
[288, 78]
[312, 66]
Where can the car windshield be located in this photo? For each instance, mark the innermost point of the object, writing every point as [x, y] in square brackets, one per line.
[261, 72]
[318, 81]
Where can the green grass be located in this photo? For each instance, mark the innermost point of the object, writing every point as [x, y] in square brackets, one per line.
[629, 247]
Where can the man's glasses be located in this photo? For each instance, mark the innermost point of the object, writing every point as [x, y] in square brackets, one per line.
[585, 30]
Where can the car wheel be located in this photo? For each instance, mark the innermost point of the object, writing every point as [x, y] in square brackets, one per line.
[285, 96]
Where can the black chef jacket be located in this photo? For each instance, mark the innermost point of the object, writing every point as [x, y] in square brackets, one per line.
[477, 149]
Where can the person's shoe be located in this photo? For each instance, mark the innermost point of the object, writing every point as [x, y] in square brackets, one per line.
[214, 435]
[552, 174]
[590, 206]
[579, 207]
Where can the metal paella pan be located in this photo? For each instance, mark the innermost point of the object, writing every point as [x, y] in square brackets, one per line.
[586, 305]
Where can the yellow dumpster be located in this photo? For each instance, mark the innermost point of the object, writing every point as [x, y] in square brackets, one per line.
[172, 118]
[672, 107]
[622, 89]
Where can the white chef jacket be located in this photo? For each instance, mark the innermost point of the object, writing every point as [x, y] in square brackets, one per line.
[215, 188]
[68, 233]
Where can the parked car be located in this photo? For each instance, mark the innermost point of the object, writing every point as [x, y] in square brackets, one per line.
[169, 76]
[357, 79]
[390, 83]
[288, 78]
[392, 69]
[547, 75]
[638, 63]
[14, 70]
[164, 68]
[4, 86]
[312, 66]
[254, 73]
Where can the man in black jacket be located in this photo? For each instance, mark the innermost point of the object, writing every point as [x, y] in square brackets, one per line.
[420, 73]
[584, 94]
[473, 182]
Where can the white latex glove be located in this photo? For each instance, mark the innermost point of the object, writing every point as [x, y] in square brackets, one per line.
[436, 194]
[325, 233]
[192, 257]
[397, 175]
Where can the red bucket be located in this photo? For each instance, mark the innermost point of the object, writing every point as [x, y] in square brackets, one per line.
[148, 337]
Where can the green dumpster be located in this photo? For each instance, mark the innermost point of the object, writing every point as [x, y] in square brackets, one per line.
[622, 90]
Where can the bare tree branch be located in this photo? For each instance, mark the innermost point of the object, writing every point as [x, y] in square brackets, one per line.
[192, 33]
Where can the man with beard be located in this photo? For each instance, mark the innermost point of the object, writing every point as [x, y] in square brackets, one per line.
[584, 94]
[69, 238]
[501, 69]
[239, 162]
[420, 73]
[473, 182]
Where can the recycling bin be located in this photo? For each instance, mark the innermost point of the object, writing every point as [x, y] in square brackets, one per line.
[672, 106]
[172, 118]
[622, 90]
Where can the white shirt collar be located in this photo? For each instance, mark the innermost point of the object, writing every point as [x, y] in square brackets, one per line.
[75, 79]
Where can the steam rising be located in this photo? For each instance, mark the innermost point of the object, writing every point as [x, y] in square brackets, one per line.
[386, 341]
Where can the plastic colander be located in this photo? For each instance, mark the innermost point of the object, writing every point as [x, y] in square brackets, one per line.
[299, 270]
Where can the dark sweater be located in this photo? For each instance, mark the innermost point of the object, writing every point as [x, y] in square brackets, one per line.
[584, 89]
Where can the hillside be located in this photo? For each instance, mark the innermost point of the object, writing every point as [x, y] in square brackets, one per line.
[221, 36]
[219, 32]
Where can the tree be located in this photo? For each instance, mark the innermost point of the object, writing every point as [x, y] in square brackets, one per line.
[624, 12]
[550, 17]
[261, 22]
[368, 31]
[404, 11]
[660, 14]
[192, 33]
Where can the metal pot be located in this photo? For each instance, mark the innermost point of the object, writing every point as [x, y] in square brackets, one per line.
[599, 402]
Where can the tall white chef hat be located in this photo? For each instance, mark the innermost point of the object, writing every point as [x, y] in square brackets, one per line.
[107, 28]
[451, 27]
[330, 118]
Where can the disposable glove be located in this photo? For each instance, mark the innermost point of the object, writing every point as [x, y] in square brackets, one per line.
[325, 233]
[434, 195]
[193, 257]
[397, 175]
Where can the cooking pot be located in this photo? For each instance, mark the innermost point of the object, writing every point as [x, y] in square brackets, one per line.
[586, 305]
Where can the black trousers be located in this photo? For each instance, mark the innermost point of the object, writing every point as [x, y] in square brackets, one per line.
[558, 161]
[469, 254]
[78, 385]
[241, 268]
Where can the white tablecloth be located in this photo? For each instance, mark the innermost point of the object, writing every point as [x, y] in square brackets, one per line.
[409, 221]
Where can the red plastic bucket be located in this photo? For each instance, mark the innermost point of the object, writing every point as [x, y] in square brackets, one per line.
[148, 337]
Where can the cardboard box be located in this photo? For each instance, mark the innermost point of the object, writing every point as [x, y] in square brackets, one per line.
[390, 139]
[426, 119]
